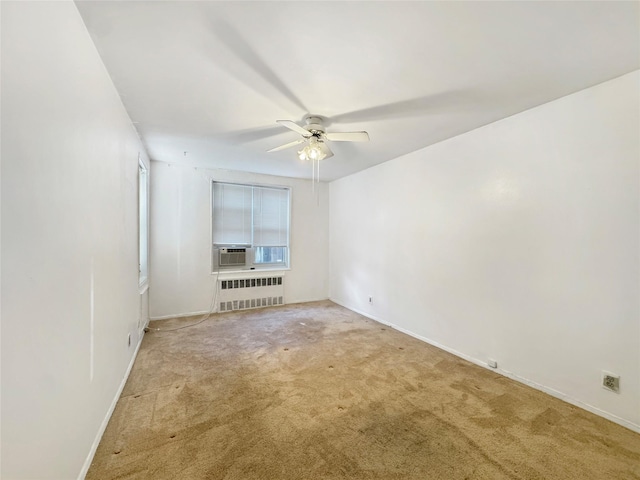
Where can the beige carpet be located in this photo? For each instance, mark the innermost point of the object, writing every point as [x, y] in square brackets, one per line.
[314, 391]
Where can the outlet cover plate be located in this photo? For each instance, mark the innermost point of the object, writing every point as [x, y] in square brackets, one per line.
[611, 381]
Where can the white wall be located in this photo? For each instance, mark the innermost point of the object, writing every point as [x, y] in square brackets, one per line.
[180, 264]
[69, 242]
[518, 241]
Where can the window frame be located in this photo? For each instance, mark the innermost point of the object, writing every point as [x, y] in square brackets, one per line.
[251, 248]
[143, 226]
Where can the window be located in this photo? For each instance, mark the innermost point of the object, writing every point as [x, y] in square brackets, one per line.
[254, 217]
[143, 228]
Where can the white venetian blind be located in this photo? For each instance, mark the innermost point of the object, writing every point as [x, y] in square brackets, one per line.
[270, 217]
[232, 207]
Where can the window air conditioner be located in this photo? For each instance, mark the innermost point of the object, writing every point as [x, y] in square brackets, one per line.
[232, 257]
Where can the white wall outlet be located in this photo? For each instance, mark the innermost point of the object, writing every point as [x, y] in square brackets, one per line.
[128, 340]
[370, 300]
[610, 381]
[492, 363]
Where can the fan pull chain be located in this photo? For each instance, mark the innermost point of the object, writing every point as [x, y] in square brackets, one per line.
[318, 181]
[315, 179]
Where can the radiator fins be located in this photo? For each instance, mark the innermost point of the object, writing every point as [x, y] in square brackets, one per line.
[250, 283]
[246, 293]
[250, 303]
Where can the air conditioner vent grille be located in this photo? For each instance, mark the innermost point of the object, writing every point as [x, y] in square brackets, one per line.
[232, 257]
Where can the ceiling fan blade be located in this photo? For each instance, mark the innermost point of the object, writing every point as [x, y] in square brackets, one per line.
[250, 135]
[239, 45]
[348, 136]
[287, 145]
[295, 127]
[449, 101]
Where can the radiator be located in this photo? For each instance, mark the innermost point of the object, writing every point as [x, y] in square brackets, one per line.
[250, 292]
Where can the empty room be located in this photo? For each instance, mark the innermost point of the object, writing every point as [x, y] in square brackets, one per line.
[318, 240]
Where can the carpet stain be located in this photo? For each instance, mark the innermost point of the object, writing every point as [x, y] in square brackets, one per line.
[316, 392]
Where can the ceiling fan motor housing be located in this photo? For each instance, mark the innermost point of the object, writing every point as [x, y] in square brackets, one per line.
[314, 126]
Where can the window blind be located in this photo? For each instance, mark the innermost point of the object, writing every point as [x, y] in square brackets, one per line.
[270, 217]
[250, 215]
[232, 206]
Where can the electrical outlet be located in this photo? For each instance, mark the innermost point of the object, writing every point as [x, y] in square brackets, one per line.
[128, 340]
[611, 381]
[370, 300]
[492, 363]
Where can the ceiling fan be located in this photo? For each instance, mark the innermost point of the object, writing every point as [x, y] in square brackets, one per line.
[315, 136]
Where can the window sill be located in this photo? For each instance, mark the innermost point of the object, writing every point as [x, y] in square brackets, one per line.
[246, 273]
[143, 286]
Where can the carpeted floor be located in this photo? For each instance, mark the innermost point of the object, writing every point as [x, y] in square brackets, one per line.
[314, 391]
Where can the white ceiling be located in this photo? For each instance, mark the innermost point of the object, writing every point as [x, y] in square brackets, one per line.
[211, 78]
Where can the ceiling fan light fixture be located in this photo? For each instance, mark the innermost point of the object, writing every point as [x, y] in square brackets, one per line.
[312, 151]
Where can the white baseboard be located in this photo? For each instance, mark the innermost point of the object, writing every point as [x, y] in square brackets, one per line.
[105, 422]
[179, 315]
[554, 393]
[293, 302]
